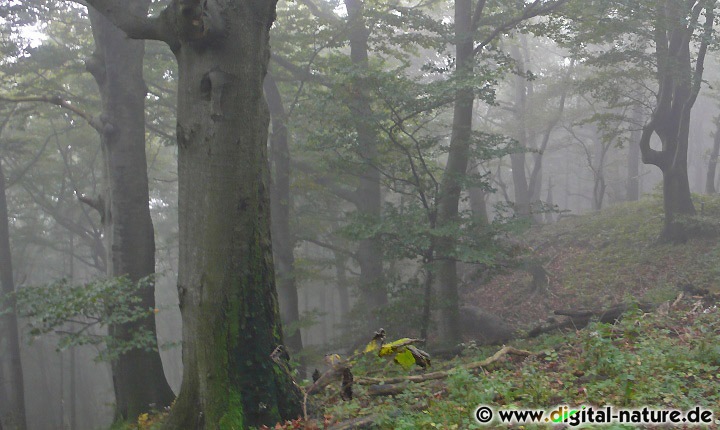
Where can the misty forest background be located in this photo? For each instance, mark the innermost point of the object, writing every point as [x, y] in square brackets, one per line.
[414, 147]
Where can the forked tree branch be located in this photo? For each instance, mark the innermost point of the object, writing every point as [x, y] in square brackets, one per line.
[135, 23]
[58, 101]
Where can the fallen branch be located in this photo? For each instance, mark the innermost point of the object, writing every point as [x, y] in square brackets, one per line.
[445, 373]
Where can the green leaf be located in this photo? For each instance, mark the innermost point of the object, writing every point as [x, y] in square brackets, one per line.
[405, 358]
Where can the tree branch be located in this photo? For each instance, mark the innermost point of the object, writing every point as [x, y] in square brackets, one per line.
[531, 11]
[136, 24]
[58, 101]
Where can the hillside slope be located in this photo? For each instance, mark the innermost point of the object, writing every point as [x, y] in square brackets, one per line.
[602, 259]
[667, 359]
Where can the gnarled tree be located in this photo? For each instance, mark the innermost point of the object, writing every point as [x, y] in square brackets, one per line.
[676, 24]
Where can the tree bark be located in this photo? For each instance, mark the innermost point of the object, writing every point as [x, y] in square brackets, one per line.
[12, 388]
[283, 241]
[226, 285]
[117, 66]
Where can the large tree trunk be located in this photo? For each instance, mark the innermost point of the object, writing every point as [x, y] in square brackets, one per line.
[280, 203]
[12, 388]
[226, 285]
[676, 201]
[117, 65]
[226, 280]
[373, 294]
[712, 164]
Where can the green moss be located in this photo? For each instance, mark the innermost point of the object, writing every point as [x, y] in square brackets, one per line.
[233, 418]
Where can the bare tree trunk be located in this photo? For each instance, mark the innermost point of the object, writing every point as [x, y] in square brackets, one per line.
[450, 186]
[712, 164]
[117, 66]
[549, 217]
[373, 293]
[517, 160]
[341, 277]
[478, 206]
[633, 167]
[12, 387]
[226, 285]
[679, 85]
[280, 204]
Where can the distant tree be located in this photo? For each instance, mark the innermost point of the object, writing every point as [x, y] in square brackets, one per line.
[226, 285]
[676, 27]
[117, 66]
[12, 387]
[712, 163]
[671, 71]
[129, 240]
[280, 205]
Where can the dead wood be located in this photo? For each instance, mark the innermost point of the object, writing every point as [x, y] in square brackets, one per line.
[444, 373]
[580, 318]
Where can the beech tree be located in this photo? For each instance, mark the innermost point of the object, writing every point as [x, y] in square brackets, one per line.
[12, 388]
[117, 66]
[469, 22]
[128, 239]
[679, 84]
[226, 283]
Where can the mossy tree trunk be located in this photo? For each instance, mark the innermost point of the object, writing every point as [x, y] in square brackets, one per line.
[679, 84]
[226, 281]
[117, 66]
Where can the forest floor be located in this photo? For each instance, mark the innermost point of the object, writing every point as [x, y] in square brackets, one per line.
[666, 359]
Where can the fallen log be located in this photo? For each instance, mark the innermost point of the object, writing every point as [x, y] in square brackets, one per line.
[580, 318]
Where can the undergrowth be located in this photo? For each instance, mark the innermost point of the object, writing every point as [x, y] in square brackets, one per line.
[665, 359]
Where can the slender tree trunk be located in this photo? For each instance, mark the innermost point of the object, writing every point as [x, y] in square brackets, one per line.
[12, 387]
[117, 66]
[549, 217]
[450, 186]
[280, 203]
[517, 161]
[633, 160]
[478, 206]
[633, 167]
[712, 164]
[341, 277]
[373, 294]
